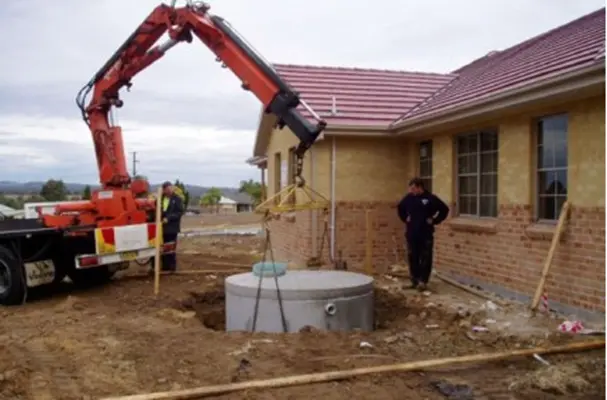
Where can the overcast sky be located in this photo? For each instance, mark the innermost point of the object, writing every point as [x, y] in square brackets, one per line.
[185, 116]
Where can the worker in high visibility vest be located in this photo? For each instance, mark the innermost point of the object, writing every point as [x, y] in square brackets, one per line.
[172, 211]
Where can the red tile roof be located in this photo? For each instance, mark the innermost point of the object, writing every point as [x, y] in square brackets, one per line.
[367, 97]
[363, 97]
[576, 45]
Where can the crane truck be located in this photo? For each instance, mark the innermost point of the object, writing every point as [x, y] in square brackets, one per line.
[89, 241]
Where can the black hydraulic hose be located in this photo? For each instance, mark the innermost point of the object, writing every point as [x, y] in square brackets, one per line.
[39, 252]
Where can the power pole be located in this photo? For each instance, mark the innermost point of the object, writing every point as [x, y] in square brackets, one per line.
[135, 161]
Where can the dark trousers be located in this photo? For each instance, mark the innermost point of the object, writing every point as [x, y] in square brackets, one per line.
[168, 262]
[420, 252]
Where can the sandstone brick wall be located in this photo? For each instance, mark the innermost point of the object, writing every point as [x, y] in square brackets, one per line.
[511, 253]
[370, 174]
[292, 235]
[508, 250]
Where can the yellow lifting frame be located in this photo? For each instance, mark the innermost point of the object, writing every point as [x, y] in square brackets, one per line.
[315, 200]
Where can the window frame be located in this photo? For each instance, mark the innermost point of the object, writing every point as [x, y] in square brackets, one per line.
[430, 159]
[478, 174]
[537, 170]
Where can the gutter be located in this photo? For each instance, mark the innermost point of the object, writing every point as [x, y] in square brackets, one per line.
[354, 129]
[260, 127]
[256, 160]
[524, 92]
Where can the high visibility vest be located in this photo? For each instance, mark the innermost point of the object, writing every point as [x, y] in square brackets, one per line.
[165, 203]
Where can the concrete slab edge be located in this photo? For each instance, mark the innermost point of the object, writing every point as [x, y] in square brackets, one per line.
[508, 294]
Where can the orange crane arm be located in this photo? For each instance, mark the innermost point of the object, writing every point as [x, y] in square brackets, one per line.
[138, 52]
[118, 202]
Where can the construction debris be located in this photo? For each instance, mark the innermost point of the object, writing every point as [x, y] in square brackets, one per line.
[553, 379]
[185, 328]
[454, 391]
[215, 390]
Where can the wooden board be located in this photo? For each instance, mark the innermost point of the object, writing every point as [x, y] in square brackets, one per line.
[548, 263]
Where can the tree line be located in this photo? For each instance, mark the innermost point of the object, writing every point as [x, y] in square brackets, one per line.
[56, 190]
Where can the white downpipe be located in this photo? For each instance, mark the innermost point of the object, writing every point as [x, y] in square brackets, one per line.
[314, 213]
[333, 204]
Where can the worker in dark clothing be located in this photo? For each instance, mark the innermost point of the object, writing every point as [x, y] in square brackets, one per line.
[172, 210]
[420, 210]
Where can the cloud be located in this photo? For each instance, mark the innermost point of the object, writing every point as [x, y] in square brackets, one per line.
[185, 113]
[42, 147]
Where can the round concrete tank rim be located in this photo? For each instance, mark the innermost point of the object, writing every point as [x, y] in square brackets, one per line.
[301, 285]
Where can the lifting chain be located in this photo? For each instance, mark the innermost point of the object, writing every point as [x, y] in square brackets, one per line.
[324, 237]
[268, 248]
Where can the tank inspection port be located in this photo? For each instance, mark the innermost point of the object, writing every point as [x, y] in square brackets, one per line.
[330, 309]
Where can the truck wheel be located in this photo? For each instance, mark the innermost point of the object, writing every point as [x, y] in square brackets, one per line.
[90, 277]
[12, 284]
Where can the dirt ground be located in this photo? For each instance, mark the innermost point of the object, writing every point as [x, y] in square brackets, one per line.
[120, 340]
[191, 222]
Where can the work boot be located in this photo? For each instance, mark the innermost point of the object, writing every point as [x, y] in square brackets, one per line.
[412, 286]
[422, 287]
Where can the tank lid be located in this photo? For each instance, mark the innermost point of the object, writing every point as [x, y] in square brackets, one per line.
[301, 285]
[268, 269]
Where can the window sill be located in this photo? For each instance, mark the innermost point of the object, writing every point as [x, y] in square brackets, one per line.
[541, 230]
[468, 224]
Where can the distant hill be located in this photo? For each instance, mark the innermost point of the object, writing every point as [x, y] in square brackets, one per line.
[10, 187]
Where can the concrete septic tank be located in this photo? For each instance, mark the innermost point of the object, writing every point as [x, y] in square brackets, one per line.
[326, 300]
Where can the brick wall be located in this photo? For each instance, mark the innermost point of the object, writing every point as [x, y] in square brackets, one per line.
[509, 250]
[292, 235]
[511, 253]
[386, 233]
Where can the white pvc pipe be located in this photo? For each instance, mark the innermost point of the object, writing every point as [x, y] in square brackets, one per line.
[333, 204]
[314, 212]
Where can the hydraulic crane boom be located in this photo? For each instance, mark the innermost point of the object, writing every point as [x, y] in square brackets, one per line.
[116, 203]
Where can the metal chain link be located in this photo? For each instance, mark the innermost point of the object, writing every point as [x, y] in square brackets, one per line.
[268, 247]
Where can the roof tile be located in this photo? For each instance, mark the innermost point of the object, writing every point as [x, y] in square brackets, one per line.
[578, 44]
[366, 97]
[373, 97]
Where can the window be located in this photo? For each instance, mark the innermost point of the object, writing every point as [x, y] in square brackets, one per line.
[425, 164]
[292, 167]
[551, 166]
[277, 176]
[477, 158]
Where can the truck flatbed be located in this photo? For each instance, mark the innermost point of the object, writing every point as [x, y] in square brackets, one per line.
[10, 228]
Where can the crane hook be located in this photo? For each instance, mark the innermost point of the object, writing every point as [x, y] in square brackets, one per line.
[299, 180]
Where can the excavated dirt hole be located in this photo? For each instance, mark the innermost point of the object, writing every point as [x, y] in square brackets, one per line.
[209, 307]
